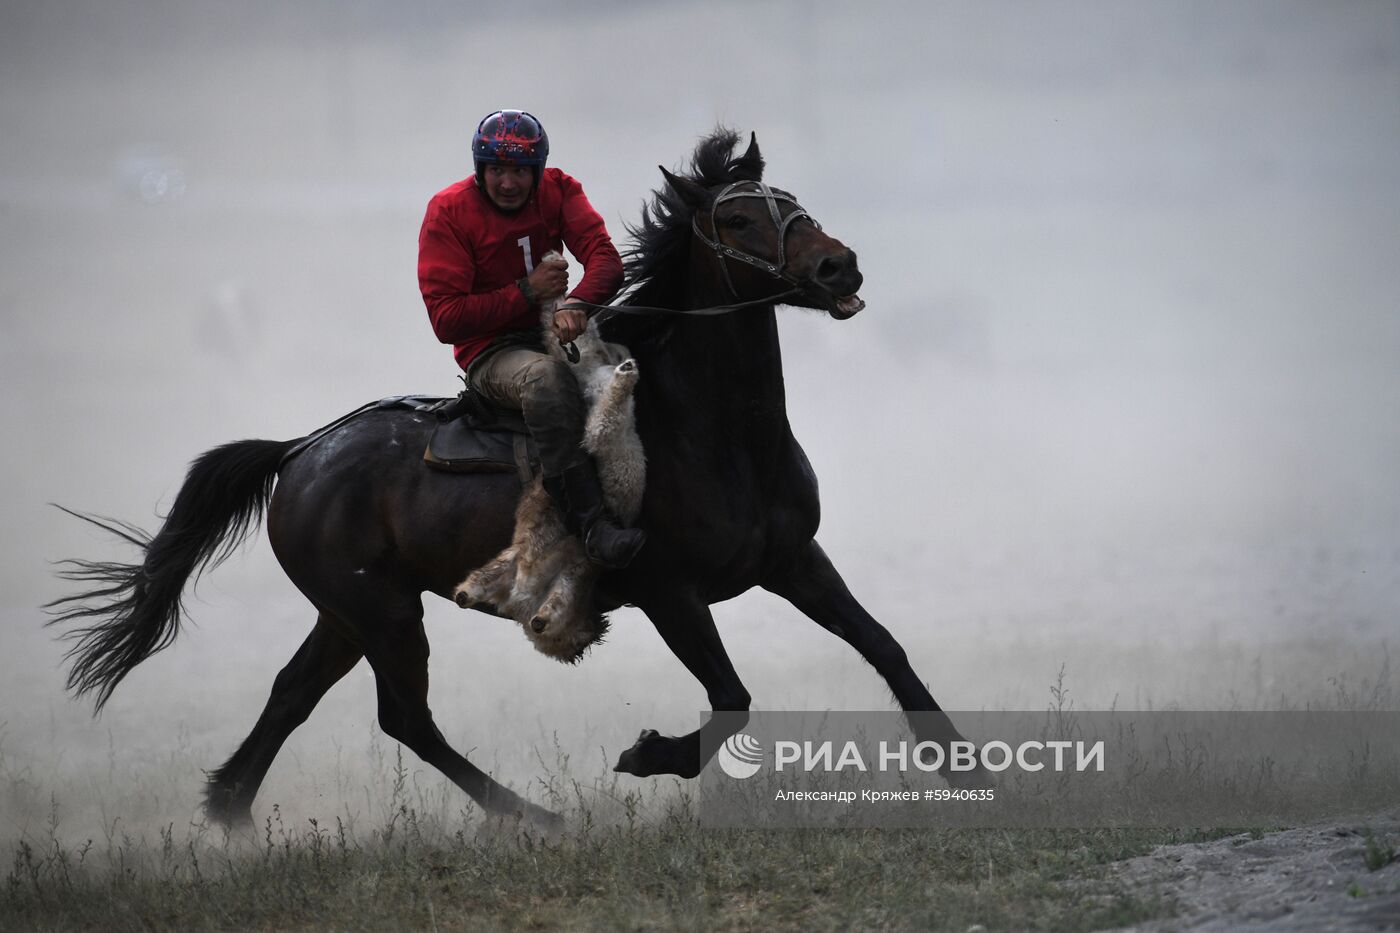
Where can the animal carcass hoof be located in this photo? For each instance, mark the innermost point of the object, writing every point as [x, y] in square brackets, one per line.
[538, 625]
[627, 366]
[460, 598]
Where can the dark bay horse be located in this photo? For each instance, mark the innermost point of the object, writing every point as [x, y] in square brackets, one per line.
[364, 529]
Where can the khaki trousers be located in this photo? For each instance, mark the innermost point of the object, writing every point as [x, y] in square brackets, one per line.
[545, 393]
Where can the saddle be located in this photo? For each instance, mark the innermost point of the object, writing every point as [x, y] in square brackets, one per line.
[471, 436]
[475, 436]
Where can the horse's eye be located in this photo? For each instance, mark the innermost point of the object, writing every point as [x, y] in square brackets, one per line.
[736, 221]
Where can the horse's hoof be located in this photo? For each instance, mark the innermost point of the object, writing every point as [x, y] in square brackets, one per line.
[637, 759]
[232, 819]
[546, 821]
[527, 820]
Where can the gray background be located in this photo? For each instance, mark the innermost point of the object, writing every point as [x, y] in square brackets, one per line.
[1125, 398]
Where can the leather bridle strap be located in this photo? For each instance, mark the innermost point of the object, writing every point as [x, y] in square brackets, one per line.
[726, 253]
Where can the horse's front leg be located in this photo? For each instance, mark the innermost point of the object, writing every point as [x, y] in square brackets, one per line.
[685, 623]
[812, 584]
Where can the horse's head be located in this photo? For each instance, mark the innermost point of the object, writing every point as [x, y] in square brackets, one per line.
[761, 243]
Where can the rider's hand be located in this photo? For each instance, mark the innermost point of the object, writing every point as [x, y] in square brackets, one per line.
[569, 324]
[549, 280]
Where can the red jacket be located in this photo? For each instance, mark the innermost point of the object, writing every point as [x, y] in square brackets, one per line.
[470, 255]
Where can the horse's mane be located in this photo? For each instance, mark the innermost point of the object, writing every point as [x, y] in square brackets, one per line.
[660, 242]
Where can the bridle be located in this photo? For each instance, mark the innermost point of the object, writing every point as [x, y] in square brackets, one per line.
[725, 253]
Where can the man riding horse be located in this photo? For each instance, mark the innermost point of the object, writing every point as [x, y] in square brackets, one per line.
[483, 289]
[364, 530]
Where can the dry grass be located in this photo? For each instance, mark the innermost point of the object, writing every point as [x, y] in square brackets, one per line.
[627, 865]
[632, 856]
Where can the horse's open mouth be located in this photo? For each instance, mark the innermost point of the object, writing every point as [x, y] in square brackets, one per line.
[847, 307]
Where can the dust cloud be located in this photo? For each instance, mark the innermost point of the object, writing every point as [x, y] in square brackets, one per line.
[1125, 398]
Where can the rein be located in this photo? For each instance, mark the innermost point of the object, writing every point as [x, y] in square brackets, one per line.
[603, 312]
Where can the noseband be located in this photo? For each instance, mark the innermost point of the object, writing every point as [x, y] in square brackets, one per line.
[725, 253]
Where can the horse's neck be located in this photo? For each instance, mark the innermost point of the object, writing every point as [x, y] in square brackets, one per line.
[736, 357]
[721, 376]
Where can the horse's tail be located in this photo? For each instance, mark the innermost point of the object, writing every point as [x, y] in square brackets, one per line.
[134, 610]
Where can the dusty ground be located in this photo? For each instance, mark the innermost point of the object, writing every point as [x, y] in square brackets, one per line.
[1314, 878]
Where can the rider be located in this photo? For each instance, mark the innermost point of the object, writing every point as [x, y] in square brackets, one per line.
[481, 279]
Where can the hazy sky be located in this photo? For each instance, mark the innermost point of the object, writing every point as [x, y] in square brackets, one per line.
[1130, 370]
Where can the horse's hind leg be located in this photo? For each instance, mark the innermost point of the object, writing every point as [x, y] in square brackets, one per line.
[324, 658]
[813, 585]
[400, 662]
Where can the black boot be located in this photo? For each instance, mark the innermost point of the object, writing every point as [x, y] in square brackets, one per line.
[580, 498]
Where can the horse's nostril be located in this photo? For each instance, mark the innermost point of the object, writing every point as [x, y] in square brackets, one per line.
[829, 269]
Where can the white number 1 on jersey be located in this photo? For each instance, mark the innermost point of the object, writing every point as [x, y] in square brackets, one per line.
[525, 248]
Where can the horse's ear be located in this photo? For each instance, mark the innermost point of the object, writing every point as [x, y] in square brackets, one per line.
[688, 191]
[749, 166]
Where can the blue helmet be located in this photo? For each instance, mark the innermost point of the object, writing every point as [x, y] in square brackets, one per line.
[510, 137]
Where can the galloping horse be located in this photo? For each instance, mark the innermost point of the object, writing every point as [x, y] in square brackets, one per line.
[364, 529]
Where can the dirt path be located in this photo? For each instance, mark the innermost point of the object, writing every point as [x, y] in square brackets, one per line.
[1314, 878]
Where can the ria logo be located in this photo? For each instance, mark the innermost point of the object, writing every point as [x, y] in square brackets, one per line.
[740, 756]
